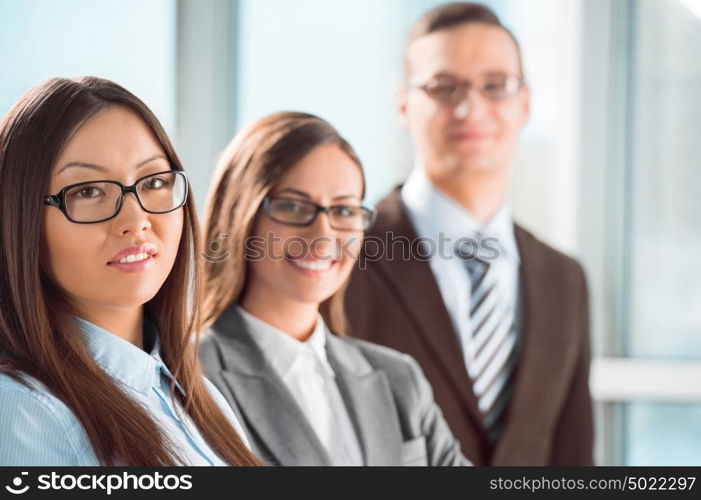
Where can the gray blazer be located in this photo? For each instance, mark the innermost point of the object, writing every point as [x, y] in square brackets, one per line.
[388, 398]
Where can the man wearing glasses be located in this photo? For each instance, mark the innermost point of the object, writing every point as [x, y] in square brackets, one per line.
[497, 319]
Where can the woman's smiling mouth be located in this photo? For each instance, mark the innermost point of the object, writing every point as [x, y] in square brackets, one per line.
[134, 259]
[312, 267]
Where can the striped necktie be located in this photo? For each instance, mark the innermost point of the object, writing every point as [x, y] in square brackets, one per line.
[493, 342]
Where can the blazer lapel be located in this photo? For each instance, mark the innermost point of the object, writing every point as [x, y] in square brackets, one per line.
[545, 355]
[369, 401]
[414, 282]
[269, 409]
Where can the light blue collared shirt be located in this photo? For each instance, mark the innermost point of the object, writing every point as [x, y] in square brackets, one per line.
[439, 218]
[38, 429]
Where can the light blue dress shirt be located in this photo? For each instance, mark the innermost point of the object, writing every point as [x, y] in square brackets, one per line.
[38, 429]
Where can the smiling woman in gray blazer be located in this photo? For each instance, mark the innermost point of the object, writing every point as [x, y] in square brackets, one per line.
[284, 226]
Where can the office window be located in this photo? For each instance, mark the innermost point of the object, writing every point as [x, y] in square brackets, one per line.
[129, 41]
[665, 181]
[662, 434]
[643, 214]
[336, 59]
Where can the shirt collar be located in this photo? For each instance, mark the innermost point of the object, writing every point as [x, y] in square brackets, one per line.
[284, 351]
[124, 361]
[433, 213]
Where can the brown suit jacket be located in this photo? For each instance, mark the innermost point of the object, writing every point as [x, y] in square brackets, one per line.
[397, 303]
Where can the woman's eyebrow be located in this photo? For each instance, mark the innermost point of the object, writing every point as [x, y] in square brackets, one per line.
[150, 159]
[295, 191]
[103, 169]
[81, 164]
[344, 196]
[306, 195]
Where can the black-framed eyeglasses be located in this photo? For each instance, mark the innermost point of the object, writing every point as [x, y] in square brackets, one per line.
[492, 86]
[296, 212]
[91, 202]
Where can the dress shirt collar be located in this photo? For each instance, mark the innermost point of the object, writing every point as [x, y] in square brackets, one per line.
[435, 213]
[284, 351]
[123, 360]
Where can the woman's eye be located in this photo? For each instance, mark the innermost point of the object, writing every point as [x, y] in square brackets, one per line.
[346, 211]
[88, 192]
[290, 206]
[156, 183]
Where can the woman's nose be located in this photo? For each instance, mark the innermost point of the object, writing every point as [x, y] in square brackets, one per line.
[131, 217]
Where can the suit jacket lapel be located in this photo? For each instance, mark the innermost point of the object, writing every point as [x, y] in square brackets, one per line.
[269, 409]
[414, 282]
[545, 355]
[369, 401]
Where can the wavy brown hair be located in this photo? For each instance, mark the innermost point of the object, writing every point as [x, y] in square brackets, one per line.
[248, 169]
[39, 336]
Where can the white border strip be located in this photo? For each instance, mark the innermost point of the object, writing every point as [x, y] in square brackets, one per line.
[617, 379]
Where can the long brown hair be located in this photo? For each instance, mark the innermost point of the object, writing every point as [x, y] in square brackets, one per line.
[38, 333]
[249, 168]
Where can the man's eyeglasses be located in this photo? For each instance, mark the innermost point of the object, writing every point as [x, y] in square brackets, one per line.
[303, 213]
[97, 201]
[492, 86]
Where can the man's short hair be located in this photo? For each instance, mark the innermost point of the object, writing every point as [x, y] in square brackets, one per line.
[450, 15]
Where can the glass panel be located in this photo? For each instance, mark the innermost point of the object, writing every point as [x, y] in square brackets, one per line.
[665, 181]
[663, 209]
[129, 41]
[663, 434]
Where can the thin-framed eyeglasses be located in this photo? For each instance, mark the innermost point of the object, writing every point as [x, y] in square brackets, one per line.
[492, 86]
[296, 212]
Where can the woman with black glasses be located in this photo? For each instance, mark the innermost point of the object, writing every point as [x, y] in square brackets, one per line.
[97, 256]
[284, 226]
